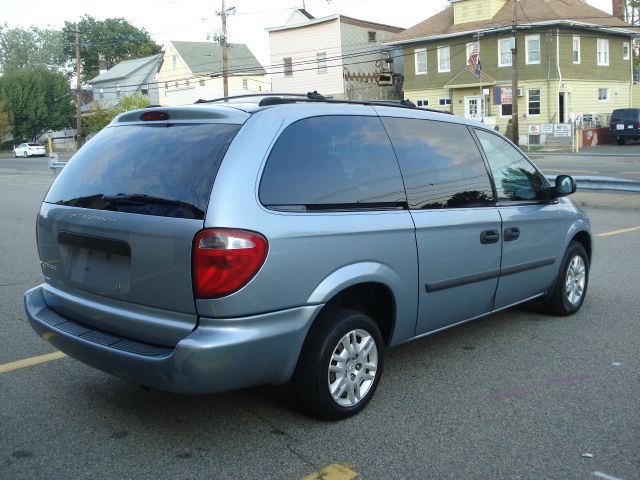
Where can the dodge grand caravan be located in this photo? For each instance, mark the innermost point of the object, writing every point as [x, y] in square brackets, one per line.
[226, 244]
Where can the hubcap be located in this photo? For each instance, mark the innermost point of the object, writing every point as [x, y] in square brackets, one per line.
[576, 279]
[352, 368]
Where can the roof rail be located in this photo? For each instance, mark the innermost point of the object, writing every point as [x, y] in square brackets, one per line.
[271, 98]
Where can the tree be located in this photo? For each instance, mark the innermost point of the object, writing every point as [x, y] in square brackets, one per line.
[30, 48]
[6, 122]
[114, 38]
[100, 116]
[38, 99]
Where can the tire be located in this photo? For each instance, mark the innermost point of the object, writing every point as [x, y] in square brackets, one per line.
[354, 377]
[621, 141]
[26, 155]
[571, 285]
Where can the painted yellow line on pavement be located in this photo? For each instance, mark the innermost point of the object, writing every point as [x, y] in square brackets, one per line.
[30, 362]
[617, 232]
[335, 471]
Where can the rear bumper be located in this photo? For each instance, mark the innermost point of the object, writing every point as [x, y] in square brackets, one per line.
[219, 355]
[625, 133]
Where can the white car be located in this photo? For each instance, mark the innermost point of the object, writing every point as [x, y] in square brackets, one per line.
[29, 150]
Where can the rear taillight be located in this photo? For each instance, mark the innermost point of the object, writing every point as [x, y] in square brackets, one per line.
[225, 260]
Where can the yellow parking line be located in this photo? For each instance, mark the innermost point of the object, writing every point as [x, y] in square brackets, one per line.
[30, 362]
[335, 471]
[617, 232]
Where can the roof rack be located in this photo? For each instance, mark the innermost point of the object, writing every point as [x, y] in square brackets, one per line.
[270, 98]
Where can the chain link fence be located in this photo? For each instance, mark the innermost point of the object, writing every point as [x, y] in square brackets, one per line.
[607, 179]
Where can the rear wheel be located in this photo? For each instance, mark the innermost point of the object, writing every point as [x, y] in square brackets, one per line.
[340, 365]
[621, 141]
[25, 155]
[571, 284]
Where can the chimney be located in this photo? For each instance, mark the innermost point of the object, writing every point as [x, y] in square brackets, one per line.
[618, 8]
[102, 64]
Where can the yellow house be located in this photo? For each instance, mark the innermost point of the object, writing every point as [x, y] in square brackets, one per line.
[192, 71]
[573, 62]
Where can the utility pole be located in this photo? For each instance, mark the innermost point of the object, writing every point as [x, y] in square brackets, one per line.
[78, 90]
[225, 52]
[514, 75]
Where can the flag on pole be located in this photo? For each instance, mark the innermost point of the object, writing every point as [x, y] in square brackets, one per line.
[474, 59]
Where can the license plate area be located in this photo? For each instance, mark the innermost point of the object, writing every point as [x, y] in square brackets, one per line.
[619, 127]
[101, 265]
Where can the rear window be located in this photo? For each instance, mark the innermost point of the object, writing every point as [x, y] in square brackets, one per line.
[146, 169]
[34, 144]
[625, 115]
[332, 162]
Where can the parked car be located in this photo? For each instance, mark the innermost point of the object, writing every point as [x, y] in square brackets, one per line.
[625, 124]
[217, 246]
[29, 150]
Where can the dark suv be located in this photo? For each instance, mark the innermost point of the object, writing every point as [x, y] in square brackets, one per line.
[625, 124]
[217, 246]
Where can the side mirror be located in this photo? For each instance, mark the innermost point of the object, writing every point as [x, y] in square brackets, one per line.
[565, 185]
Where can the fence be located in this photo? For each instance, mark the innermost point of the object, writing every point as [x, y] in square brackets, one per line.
[607, 179]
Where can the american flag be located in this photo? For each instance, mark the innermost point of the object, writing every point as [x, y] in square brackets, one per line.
[474, 59]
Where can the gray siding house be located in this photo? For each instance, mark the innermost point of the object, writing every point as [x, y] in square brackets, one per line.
[127, 78]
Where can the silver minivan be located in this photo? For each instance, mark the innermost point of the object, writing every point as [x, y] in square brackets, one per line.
[221, 245]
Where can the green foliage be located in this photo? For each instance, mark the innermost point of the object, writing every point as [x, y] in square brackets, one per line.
[101, 116]
[30, 48]
[115, 38]
[38, 99]
[6, 122]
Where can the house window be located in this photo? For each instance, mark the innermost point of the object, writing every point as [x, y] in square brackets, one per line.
[118, 92]
[443, 102]
[576, 49]
[145, 90]
[504, 52]
[174, 62]
[372, 37]
[534, 101]
[201, 83]
[532, 49]
[288, 66]
[422, 103]
[626, 51]
[603, 94]
[470, 48]
[421, 61]
[444, 59]
[101, 94]
[506, 109]
[245, 84]
[321, 58]
[602, 54]
[166, 85]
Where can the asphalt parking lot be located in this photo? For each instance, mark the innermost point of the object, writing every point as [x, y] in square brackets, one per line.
[518, 395]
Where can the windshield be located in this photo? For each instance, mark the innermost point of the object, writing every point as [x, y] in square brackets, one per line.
[146, 169]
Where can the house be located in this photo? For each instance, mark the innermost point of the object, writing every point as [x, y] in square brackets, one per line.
[192, 71]
[573, 61]
[338, 56]
[127, 78]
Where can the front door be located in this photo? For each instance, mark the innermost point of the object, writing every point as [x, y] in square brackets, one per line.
[562, 107]
[532, 227]
[473, 106]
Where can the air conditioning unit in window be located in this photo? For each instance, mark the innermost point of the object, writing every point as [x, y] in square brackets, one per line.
[520, 92]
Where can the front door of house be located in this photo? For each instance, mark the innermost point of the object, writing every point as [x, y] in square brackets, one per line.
[473, 107]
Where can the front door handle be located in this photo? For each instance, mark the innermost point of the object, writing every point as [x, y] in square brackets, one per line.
[488, 237]
[511, 234]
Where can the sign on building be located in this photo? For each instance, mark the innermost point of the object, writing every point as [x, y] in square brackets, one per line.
[547, 128]
[562, 130]
[534, 129]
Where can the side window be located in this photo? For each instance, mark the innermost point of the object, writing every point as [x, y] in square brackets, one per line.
[332, 162]
[516, 179]
[441, 164]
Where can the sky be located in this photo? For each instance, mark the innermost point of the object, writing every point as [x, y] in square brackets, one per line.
[194, 20]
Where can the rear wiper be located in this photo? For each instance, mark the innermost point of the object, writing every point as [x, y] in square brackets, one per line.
[141, 199]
